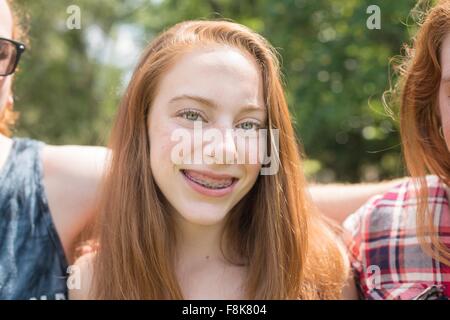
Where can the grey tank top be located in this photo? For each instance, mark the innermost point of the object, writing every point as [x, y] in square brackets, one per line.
[32, 260]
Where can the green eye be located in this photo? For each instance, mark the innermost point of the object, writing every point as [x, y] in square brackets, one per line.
[248, 125]
[191, 115]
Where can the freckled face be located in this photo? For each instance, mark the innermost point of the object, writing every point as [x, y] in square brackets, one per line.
[221, 88]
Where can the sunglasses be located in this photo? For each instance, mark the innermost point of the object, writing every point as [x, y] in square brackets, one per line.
[10, 52]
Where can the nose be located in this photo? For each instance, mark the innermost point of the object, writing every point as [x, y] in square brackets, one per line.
[222, 150]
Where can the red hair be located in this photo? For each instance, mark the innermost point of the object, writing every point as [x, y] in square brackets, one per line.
[425, 151]
[289, 251]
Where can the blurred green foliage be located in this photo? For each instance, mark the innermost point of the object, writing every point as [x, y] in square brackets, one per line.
[335, 68]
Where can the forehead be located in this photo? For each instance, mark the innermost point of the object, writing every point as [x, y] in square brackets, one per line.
[6, 23]
[222, 72]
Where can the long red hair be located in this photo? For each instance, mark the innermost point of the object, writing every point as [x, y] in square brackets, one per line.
[289, 250]
[417, 89]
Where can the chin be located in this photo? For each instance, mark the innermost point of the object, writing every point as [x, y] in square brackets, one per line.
[204, 215]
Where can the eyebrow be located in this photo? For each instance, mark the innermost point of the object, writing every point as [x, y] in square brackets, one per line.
[210, 103]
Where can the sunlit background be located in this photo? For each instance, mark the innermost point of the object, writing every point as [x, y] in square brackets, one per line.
[336, 70]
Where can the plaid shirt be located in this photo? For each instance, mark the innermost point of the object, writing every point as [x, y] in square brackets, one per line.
[387, 258]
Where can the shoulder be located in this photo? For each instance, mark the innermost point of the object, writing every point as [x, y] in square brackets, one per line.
[371, 227]
[384, 245]
[396, 208]
[82, 272]
[23, 153]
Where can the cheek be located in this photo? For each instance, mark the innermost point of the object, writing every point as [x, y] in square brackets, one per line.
[251, 150]
[161, 144]
[254, 170]
[444, 109]
[4, 90]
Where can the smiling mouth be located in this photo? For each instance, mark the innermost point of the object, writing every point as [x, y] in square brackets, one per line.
[207, 181]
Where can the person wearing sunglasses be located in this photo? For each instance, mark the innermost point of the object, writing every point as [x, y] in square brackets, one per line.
[46, 193]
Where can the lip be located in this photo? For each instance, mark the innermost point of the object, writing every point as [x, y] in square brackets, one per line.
[210, 192]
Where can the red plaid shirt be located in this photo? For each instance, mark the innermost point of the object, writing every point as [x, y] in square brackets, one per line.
[388, 260]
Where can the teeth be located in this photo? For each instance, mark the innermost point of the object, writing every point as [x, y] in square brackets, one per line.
[208, 183]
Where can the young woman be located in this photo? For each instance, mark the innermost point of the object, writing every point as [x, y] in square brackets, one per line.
[215, 229]
[52, 188]
[46, 194]
[401, 240]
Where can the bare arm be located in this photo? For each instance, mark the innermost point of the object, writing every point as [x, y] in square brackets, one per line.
[338, 201]
[84, 269]
[349, 291]
[72, 176]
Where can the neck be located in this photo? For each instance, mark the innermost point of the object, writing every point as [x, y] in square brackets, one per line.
[3, 138]
[5, 147]
[198, 242]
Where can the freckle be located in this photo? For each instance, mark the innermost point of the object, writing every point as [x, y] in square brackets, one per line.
[207, 257]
